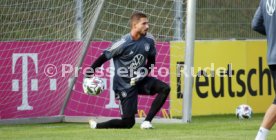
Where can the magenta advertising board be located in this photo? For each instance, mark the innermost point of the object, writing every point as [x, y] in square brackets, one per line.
[105, 104]
[35, 79]
[31, 81]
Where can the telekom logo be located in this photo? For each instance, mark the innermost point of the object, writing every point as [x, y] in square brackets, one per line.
[34, 82]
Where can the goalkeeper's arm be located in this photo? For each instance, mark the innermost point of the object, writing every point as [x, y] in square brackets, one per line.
[258, 22]
[150, 63]
[98, 63]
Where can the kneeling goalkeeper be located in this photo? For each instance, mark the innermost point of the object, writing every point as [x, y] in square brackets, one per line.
[134, 52]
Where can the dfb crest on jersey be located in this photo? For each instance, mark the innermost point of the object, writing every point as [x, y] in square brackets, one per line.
[147, 47]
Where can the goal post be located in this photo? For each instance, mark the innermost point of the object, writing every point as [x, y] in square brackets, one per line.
[189, 60]
[90, 30]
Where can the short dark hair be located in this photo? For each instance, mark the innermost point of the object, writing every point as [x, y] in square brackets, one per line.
[136, 16]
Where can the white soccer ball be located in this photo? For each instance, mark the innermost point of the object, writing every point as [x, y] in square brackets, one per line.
[93, 86]
[244, 111]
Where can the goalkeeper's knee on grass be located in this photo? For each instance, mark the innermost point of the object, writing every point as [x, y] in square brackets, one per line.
[129, 122]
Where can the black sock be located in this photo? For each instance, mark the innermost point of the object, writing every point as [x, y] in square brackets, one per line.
[158, 102]
[117, 123]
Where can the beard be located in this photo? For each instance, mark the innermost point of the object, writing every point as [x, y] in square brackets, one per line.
[143, 33]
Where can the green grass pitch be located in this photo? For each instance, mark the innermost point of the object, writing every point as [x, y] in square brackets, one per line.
[221, 127]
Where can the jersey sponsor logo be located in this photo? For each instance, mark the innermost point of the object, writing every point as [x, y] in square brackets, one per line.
[137, 61]
[270, 7]
[147, 47]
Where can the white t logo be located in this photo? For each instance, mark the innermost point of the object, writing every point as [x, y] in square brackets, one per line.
[270, 7]
[15, 82]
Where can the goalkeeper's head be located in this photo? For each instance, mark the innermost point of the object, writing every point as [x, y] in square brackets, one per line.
[139, 23]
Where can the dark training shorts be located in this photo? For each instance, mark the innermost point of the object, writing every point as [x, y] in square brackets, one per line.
[128, 98]
[272, 69]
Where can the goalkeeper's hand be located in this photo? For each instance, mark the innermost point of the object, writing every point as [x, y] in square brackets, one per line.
[136, 78]
[133, 81]
[89, 73]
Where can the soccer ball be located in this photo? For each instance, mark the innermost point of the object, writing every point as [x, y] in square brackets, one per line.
[93, 86]
[244, 111]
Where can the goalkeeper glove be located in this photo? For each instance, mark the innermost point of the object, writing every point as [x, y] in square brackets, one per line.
[136, 78]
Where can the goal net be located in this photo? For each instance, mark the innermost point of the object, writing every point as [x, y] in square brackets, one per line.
[46, 45]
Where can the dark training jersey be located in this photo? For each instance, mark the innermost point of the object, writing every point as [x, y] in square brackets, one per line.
[130, 57]
[264, 22]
